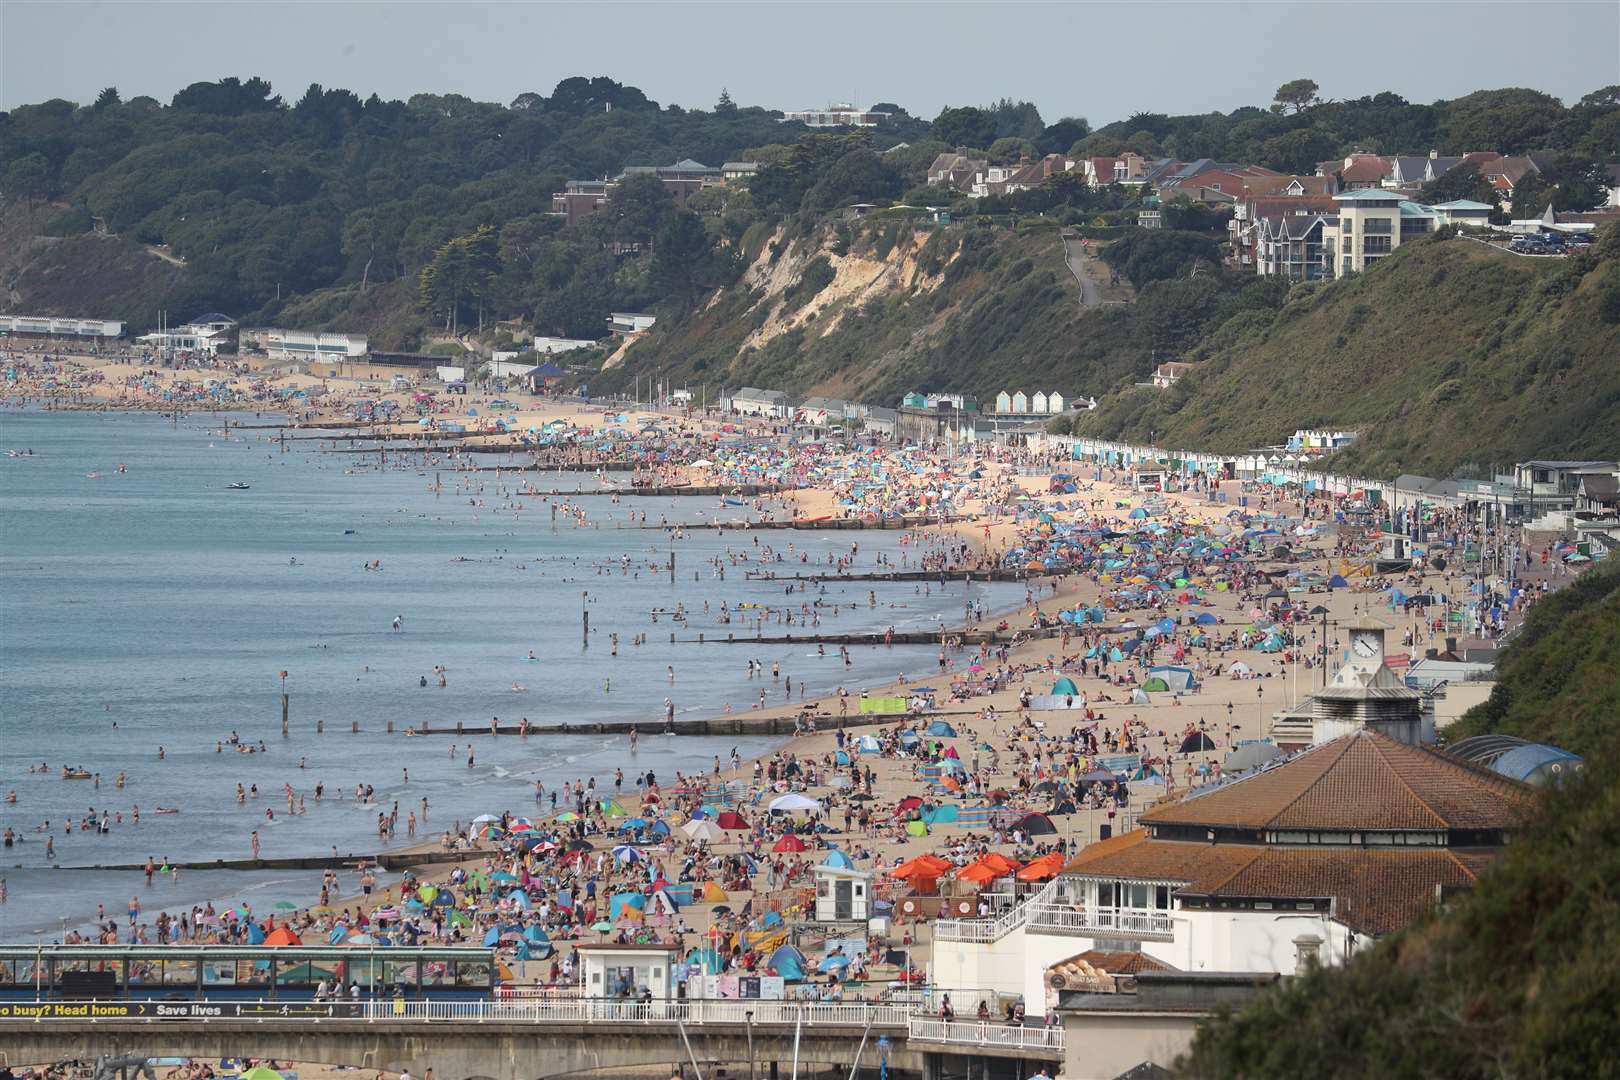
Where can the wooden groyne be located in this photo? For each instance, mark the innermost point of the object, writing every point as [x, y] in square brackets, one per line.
[903, 575]
[382, 860]
[736, 724]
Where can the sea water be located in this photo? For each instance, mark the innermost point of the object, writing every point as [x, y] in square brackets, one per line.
[163, 602]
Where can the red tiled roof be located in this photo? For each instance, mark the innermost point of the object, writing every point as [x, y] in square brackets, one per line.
[1363, 169]
[1375, 891]
[1361, 781]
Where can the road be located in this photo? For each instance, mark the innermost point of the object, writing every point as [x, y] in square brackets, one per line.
[1074, 253]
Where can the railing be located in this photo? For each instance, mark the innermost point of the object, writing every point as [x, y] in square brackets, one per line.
[986, 930]
[976, 1033]
[1099, 921]
[519, 1011]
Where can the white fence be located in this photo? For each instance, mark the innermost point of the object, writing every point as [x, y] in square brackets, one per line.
[975, 1033]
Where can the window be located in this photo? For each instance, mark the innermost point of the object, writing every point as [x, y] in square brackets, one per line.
[1375, 245]
[1347, 225]
[1377, 226]
[219, 972]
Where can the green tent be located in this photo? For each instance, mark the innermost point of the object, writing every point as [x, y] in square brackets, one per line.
[1063, 686]
[916, 828]
[1154, 684]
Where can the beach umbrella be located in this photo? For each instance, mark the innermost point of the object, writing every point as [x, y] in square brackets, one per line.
[581, 845]
[628, 855]
[792, 802]
[484, 818]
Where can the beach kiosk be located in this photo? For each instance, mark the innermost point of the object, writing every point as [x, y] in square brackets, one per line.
[842, 893]
[611, 970]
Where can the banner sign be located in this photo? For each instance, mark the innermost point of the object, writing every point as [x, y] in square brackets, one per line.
[180, 1010]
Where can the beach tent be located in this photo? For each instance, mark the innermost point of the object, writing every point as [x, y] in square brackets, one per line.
[838, 860]
[1036, 825]
[1239, 668]
[1206, 619]
[1139, 697]
[633, 902]
[868, 744]
[835, 962]
[842, 757]
[731, 820]
[281, 935]
[1060, 808]
[943, 814]
[792, 802]
[1195, 742]
[1337, 582]
[941, 729]
[1174, 678]
[1155, 685]
[703, 831]
[788, 962]
[916, 828]
[789, 842]
[1063, 686]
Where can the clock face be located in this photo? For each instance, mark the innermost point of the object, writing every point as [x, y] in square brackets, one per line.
[1365, 647]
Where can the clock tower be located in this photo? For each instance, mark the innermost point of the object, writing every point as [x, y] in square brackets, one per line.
[1366, 693]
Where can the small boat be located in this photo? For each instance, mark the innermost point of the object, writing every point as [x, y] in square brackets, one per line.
[237, 485]
[75, 774]
[167, 810]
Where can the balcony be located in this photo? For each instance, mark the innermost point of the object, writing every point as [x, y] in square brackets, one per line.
[1031, 1040]
[1109, 922]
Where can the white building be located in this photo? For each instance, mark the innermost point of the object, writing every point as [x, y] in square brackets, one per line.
[628, 322]
[554, 345]
[54, 326]
[611, 970]
[1372, 223]
[306, 345]
[751, 401]
[842, 893]
[1307, 859]
[838, 114]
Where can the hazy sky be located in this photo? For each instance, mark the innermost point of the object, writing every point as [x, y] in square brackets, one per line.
[1102, 61]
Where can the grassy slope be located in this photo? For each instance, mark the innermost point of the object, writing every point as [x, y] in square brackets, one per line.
[1519, 979]
[86, 276]
[1446, 356]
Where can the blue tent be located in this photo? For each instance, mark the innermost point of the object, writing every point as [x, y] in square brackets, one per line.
[492, 937]
[255, 935]
[788, 962]
[835, 962]
[1206, 619]
[942, 729]
[868, 744]
[839, 860]
[909, 738]
[1065, 685]
[626, 900]
[842, 757]
[945, 813]
[951, 765]
[1337, 582]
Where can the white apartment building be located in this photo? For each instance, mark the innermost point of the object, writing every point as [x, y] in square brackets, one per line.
[1371, 223]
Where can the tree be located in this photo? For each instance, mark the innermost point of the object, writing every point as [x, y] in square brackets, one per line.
[685, 261]
[725, 104]
[638, 208]
[461, 270]
[1462, 182]
[27, 177]
[1146, 255]
[858, 176]
[1058, 138]
[107, 98]
[1295, 96]
[1011, 150]
[965, 126]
